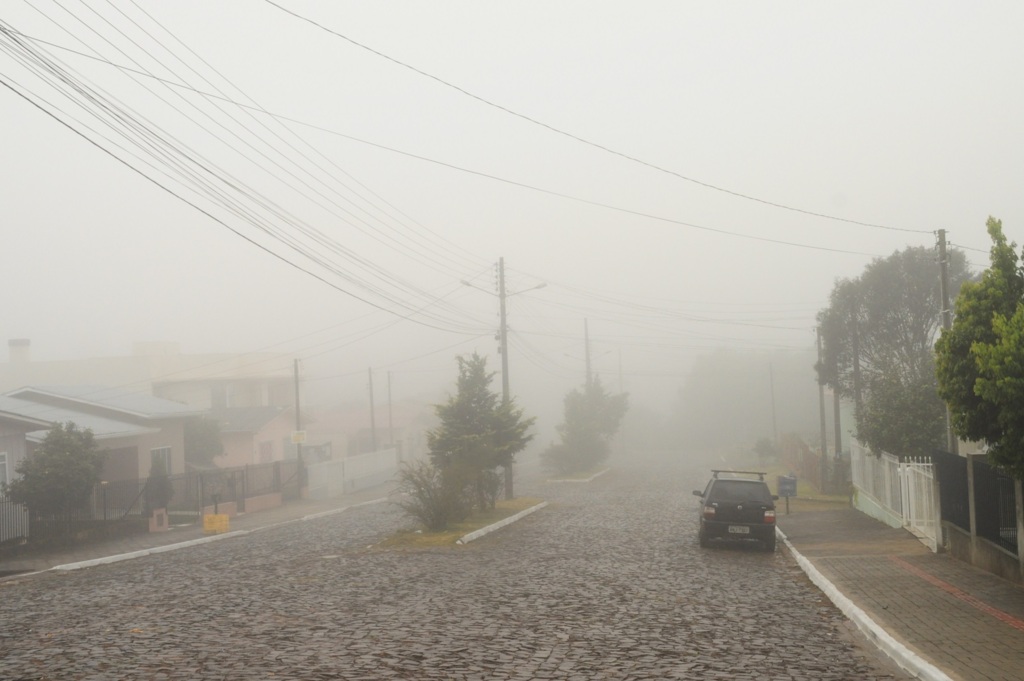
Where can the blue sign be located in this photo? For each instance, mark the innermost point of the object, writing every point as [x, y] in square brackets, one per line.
[787, 486]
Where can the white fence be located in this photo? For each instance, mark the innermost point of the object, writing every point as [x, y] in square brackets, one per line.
[899, 493]
[334, 478]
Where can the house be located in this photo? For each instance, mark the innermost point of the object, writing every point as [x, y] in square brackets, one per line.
[348, 431]
[134, 430]
[14, 427]
[203, 381]
[253, 435]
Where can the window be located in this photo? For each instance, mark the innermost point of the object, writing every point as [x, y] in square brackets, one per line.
[161, 457]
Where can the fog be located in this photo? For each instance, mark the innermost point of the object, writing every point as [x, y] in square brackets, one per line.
[318, 179]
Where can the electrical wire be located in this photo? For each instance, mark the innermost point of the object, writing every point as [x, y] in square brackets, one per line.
[583, 140]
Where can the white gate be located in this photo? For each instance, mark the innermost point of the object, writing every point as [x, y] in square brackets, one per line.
[899, 493]
[921, 513]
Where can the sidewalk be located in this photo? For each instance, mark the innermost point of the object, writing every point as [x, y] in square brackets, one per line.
[938, 617]
[295, 511]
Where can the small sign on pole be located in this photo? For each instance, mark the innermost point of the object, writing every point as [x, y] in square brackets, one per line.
[786, 484]
[298, 437]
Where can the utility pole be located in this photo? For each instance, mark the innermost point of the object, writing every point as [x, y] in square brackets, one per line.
[373, 415]
[391, 422]
[821, 408]
[586, 344]
[775, 423]
[503, 339]
[837, 425]
[856, 360]
[298, 430]
[952, 440]
[503, 349]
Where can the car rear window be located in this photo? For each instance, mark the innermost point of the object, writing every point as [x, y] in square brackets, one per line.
[740, 490]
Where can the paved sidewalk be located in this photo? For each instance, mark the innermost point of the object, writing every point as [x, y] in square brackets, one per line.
[945, 618]
[246, 522]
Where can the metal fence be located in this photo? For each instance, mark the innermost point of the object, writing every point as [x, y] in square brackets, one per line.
[995, 500]
[13, 520]
[995, 506]
[952, 474]
[122, 506]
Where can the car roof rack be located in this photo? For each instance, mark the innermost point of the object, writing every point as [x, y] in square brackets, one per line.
[760, 474]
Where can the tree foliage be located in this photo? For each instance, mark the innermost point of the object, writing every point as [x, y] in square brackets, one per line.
[980, 360]
[203, 441]
[478, 431]
[592, 417]
[59, 476]
[878, 333]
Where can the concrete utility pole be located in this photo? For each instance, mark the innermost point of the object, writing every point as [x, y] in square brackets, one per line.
[503, 349]
[503, 339]
[298, 429]
[586, 345]
[952, 441]
[775, 423]
[821, 408]
[373, 415]
[391, 421]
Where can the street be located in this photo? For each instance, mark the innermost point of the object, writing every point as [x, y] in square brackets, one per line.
[606, 583]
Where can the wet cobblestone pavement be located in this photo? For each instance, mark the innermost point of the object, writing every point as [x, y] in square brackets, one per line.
[606, 583]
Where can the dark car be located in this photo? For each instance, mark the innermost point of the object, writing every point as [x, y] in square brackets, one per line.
[737, 505]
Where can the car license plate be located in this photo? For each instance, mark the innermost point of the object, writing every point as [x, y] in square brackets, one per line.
[739, 529]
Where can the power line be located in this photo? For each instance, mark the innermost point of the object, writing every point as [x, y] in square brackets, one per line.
[585, 141]
[496, 178]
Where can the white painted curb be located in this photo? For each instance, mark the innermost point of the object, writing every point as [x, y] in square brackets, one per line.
[146, 552]
[590, 479]
[901, 655]
[465, 539]
[202, 540]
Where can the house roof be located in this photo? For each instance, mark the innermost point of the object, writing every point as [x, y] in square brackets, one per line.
[45, 415]
[130, 404]
[13, 410]
[245, 419]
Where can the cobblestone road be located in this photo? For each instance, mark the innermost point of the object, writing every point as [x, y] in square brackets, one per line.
[606, 583]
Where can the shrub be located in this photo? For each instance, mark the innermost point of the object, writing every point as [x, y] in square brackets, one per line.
[436, 496]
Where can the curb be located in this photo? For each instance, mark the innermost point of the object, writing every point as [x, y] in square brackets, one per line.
[196, 542]
[900, 654]
[590, 479]
[476, 534]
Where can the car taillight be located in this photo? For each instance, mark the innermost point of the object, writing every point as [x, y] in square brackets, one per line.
[769, 516]
[709, 512]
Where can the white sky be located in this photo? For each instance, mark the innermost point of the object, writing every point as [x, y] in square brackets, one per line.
[907, 115]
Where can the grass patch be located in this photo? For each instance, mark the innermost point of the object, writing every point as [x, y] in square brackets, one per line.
[421, 539]
[808, 497]
[580, 476]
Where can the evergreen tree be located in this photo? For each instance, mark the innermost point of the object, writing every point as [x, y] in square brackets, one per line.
[59, 476]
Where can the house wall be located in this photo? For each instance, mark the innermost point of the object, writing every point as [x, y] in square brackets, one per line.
[12, 441]
[238, 450]
[129, 458]
[241, 449]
